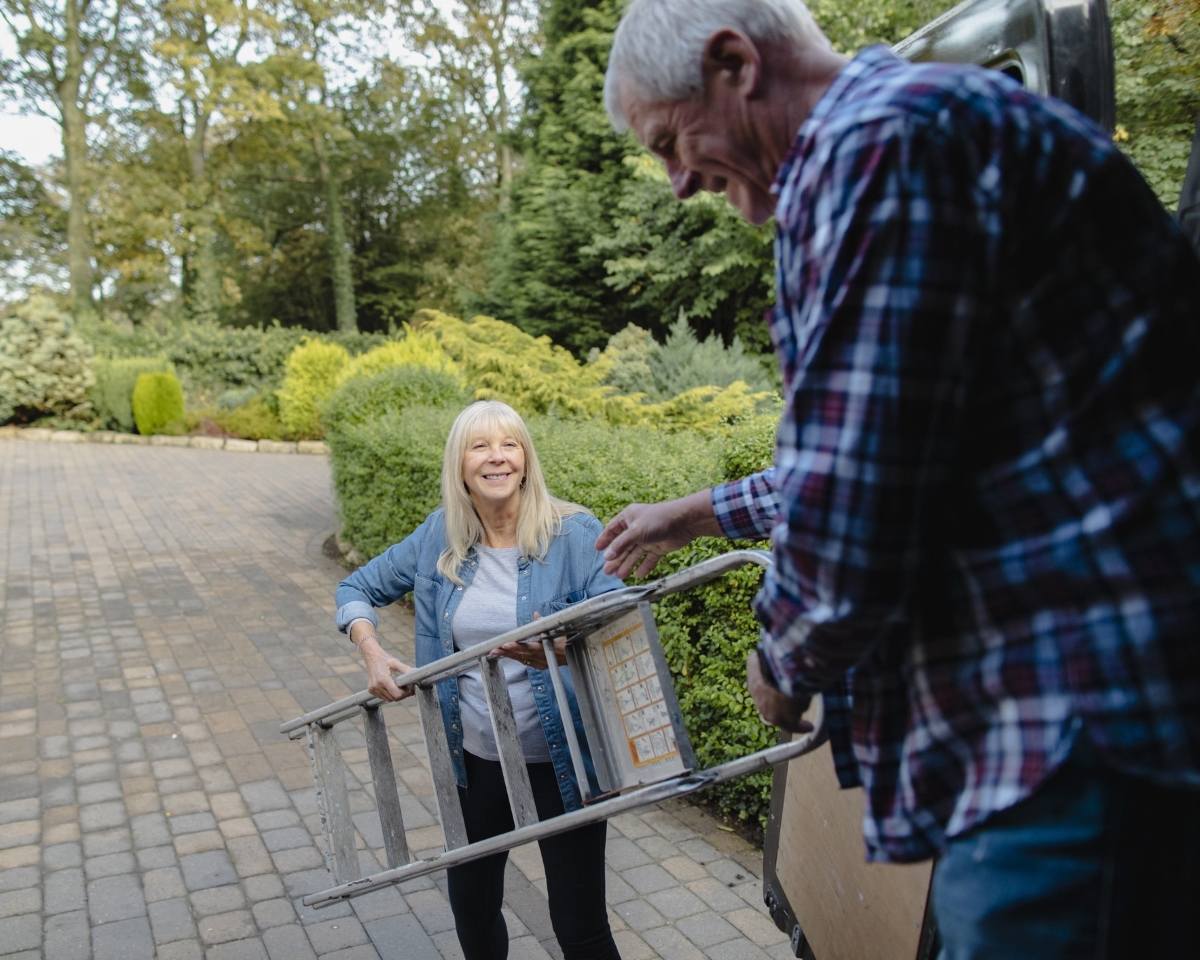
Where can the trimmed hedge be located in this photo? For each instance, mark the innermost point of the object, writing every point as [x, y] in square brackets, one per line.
[157, 403]
[386, 394]
[112, 395]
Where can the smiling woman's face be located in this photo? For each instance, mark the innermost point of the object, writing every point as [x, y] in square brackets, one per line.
[493, 468]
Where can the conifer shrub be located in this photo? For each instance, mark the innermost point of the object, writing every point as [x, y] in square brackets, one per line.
[112, 394]
[418, 348]
[310, 376]
[45, 369]
[158, 403]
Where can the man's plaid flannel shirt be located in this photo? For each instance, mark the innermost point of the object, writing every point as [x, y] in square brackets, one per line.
[985, 509]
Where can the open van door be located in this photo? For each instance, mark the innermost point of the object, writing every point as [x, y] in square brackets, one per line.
[815, 882]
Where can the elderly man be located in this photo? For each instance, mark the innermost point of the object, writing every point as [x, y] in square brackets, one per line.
[985, 505]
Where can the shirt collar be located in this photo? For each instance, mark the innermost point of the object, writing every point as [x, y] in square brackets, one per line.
[865, 62]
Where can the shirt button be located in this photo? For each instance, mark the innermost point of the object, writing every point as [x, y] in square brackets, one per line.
[454, 726]
[460, 588]
[456, 753]
[454, 699]
[522, 598]
[446, 614]
[539, 686]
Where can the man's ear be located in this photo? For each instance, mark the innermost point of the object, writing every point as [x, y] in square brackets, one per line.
[732, 58]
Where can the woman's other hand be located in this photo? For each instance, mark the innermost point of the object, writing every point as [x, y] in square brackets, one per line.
[532, 653]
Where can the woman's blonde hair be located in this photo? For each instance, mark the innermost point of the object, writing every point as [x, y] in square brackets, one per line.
[540, 516]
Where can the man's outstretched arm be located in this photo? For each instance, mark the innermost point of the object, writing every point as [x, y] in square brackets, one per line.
[643, 533]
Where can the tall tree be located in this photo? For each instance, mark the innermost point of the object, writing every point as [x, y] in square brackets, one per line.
[68, 54]
[477, 47]
[200, 46]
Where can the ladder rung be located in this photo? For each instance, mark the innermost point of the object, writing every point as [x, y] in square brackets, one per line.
[508, 743]
[333, 803]
[441, 769]
[391, 820]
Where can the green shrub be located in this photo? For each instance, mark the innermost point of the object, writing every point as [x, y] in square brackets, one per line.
[210, 358]
[310, 376]
[386, 473]
[45, 369]
[112, 395]
[251, 421]
[232, 399]
[605, 467]
[157, 402]
[385, 394]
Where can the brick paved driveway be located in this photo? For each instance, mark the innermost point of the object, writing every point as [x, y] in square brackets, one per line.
[163, 611]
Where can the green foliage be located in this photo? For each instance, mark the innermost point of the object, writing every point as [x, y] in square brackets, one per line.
[157, 403]
[606, 467]
[386, 473]
[635, 362]
[418, 348]
[387, 394]
[310, 376]
[707, 634]
[697, 259]
[499, 361]
[749, 446]
[210, 358]
[253, 420]
[1156, 46]
[45, 369]
[112, 395]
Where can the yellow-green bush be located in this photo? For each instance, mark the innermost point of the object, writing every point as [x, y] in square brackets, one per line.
[158, 403]
[418, 348]
[310, 375]
[112, 394]
[501, 362]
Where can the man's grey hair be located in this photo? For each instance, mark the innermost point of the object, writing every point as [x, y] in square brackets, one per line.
[659, 45]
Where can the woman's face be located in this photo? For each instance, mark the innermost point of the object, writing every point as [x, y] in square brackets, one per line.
[493, 468]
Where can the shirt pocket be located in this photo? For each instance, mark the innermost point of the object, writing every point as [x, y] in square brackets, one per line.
[561, 602]
[425, 604]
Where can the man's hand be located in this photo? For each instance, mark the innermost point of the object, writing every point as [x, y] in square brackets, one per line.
[774, 706]
[643, 533]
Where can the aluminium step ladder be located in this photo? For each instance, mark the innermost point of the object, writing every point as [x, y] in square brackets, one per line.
[638, 742]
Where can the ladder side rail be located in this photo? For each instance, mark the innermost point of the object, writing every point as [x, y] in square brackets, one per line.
[643, 796]
[590, 612]
[445, 785]
[333, 803]
[508, 742]
[387, 799]
[564, 708]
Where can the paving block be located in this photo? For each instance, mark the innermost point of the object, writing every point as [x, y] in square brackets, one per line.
[204, 870]
[115, 898]
[68, 936]
[171, 920]
[288, 943]
[123, 940]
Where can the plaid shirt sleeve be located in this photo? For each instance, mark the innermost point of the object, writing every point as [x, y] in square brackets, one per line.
[746, 509]
[874, 331]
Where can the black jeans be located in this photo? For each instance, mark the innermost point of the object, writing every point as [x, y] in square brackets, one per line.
[574, 864]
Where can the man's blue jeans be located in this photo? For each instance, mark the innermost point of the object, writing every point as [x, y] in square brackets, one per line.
[1095, 865]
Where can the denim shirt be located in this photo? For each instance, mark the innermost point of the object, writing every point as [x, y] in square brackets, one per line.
[572, 570]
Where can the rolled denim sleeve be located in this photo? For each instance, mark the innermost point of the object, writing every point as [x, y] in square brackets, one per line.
[746, 509]
[379, 582]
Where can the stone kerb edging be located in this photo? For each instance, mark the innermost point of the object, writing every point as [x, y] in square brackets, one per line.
[317, 447]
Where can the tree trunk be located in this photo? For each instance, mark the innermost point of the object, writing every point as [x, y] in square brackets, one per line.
[339, 247]
[74, 144]
[203, 296]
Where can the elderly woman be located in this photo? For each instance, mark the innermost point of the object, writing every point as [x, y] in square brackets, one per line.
[499, 552]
